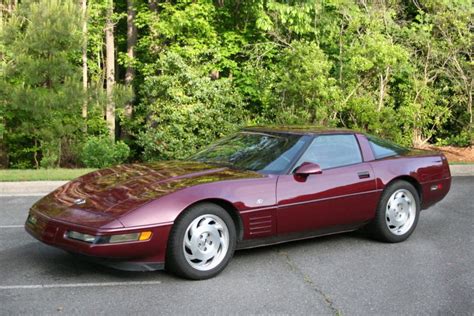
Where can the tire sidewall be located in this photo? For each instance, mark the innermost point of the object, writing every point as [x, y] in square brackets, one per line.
[385, 232]
[175, 259]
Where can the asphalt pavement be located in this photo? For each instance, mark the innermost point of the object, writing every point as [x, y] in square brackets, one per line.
[347, 274]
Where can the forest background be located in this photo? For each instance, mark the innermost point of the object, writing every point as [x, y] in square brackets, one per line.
[98, 82]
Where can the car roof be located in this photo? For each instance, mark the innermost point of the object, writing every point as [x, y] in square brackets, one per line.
[298, 129]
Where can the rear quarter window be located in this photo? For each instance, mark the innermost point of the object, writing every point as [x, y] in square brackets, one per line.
[384, 148]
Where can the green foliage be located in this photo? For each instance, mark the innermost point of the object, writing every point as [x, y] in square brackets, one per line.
[185, 110]
[402, 70]
[39, 79]
[101, 152]
[305, 91]
[461, 140]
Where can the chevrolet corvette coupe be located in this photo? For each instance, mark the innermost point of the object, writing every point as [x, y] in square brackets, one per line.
[260, 186]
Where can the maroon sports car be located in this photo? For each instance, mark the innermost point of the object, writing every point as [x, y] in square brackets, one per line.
[263, 185]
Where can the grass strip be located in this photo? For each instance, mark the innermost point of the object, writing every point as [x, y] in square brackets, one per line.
[41, 174]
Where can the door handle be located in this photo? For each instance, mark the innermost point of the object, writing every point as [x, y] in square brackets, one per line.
[363, 174]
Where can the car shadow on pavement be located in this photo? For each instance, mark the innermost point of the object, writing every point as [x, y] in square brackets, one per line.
[321, 241]
[56, 264]
[53, 264]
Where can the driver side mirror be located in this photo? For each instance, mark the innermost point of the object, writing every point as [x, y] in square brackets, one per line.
[307, 168]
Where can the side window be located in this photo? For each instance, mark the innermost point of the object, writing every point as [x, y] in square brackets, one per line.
[383, 148]
[330, 151]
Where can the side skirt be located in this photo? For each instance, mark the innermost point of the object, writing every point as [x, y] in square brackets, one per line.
[278, 239]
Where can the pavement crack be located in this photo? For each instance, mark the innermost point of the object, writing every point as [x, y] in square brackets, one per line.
[308, 281]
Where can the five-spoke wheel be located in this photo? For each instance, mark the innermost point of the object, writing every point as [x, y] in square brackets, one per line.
[400, 212]
[206, 242]
[397, 213]
[201, 242]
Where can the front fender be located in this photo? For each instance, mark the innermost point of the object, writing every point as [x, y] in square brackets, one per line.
[243, 194]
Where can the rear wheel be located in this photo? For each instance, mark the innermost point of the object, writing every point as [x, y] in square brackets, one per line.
[397, 213]
[201, 243]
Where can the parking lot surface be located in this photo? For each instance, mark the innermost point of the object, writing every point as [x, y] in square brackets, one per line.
[349, 274]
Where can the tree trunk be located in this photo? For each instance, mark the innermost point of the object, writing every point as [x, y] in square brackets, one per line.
[469, 109]
[3, 153]
[131, 42]
[417, 139]
[110, 69]
[382, 89]
[7, 7]
[84, 63]
[381, 93]
[341, 30]
[153, 5]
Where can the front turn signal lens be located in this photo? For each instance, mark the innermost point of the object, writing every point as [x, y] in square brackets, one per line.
[145, 235]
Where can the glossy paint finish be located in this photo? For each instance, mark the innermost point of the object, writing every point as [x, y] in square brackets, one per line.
[52, 232]
[307, 169]
[265, 208]
[335, 197]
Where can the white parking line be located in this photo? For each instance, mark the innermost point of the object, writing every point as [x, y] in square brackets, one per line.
[12, 226]
[72, 285]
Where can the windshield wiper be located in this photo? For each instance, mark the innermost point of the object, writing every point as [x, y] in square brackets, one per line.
[222, 164]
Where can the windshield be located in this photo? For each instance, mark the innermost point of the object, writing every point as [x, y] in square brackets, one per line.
[266, 153]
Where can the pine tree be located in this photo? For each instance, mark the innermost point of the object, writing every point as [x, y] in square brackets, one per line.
[40, 82]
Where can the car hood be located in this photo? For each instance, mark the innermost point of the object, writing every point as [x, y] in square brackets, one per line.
[106, 194]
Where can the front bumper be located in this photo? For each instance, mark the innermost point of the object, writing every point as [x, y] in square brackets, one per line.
[149, 253]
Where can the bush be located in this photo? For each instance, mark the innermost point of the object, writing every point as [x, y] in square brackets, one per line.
[100, 152]
[187, 110]
[461, 140]
[50, 151]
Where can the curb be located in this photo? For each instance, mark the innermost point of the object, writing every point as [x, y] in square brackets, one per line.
[40, 188]
[462, 170]
[29, 188]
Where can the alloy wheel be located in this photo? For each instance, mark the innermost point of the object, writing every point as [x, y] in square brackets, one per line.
[400, 212]
[206, 242]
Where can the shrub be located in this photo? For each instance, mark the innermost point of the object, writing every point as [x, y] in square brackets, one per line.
[186, 110]
[100, 152]
[461, 140]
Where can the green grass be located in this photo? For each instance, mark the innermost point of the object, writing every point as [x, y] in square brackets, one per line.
[461, 163]
[41, 174]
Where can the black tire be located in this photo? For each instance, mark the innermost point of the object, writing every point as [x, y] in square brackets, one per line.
[177, 262]
[380, 227]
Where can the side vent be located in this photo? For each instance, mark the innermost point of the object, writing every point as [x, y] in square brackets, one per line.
[260, 224]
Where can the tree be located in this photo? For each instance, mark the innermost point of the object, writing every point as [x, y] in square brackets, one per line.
[454, 28]
[305, 92]
[439, 98]
[40, 80]
[402, 69]
[186, 109]
[84, 59]
[110, 68]
[131, 42]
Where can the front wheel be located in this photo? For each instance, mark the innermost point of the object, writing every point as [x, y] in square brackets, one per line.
[201, 242]
[397, 213]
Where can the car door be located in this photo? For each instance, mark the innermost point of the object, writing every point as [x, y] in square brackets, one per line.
[343, 194]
